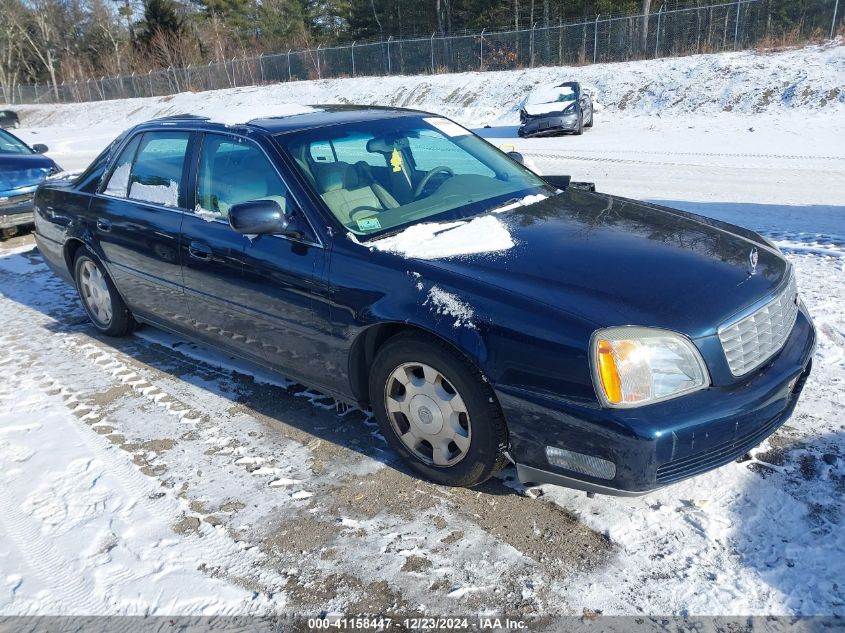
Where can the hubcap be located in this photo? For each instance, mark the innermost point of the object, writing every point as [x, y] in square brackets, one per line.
[427, 414]
[95, 293]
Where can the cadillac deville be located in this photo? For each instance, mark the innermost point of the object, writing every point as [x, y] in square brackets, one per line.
[394, 260]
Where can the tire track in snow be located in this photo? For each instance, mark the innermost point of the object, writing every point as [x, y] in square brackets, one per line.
[705, 154]
[206, 544]
[567, 156]
[68, 585]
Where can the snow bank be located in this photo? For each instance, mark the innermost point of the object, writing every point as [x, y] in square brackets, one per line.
[434, 240]
[807, 79]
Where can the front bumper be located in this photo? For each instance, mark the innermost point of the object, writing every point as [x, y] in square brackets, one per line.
[660, 444]
[16, 209]
[549, 124]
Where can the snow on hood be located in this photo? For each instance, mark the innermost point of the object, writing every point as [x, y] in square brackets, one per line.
[434, 240]
[65, 175]
[549, 98]
[239, 114]
[522, 202]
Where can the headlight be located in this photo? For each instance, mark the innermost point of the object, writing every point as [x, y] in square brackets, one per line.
[633, 366]
[569, 109]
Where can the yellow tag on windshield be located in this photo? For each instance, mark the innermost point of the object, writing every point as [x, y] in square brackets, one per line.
[396, 160]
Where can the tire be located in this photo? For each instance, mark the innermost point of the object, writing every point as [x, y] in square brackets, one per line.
[99, 297]
[590, 124]
[479, 429]
[580, 129]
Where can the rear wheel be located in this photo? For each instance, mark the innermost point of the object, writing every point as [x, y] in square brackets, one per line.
[436, 411]
[590, 123]
[100, 298]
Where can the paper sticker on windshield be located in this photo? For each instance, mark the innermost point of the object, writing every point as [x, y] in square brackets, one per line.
[447, 127]
[369, 224]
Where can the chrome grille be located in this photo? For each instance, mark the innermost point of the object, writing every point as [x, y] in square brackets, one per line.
[755, 338]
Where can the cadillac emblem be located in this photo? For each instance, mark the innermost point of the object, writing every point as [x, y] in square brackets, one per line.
[752, 261]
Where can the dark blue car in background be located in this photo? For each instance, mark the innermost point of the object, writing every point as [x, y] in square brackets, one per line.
[394, 260]
[22, 169]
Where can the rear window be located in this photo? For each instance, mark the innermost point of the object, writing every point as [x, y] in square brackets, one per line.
[156, 175]
[150, 169]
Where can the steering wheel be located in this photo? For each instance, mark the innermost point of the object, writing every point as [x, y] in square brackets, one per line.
[363, 209]
[424, 182]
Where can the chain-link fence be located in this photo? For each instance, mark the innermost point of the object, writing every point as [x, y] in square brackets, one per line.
[684, 31]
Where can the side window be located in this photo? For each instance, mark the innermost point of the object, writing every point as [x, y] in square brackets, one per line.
[431, 148]
[118, 183]
[156, 174]
[233, 170]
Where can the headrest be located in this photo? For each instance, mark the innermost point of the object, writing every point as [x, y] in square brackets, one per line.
[380, 145]
[333, 176]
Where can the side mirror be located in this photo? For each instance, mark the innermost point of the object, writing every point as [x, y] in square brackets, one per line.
[259, 217]
[40, 148]
[517, 157]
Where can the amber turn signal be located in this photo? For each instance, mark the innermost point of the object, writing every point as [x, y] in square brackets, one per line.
[608, 373]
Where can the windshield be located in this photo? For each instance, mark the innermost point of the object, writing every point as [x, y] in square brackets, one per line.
[10, 145]
[379, 176]
[551, 94]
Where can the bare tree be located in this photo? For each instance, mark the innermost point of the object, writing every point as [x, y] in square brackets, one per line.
[11, 46]
[644, 29]
[375, 15]
[42, 36]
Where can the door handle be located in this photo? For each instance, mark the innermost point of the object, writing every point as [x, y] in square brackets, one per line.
[104, 225]
[200, 251]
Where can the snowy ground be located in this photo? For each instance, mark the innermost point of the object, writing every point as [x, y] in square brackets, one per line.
[147, 475]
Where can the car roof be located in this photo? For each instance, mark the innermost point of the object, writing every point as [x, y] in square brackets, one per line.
[320, 116]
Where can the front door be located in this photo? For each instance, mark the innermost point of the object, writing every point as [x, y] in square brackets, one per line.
[253, 295]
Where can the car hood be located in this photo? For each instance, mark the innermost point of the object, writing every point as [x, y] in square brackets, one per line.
[615, 261]
[19, 171]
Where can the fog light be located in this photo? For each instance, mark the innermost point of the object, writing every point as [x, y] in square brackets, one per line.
[581, 463]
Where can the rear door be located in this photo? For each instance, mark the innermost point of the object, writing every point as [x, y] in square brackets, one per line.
[255, 296]
[137, 217]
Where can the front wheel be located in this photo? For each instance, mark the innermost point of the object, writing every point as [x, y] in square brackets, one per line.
[580, 129]
[436, 411]
[100, 298]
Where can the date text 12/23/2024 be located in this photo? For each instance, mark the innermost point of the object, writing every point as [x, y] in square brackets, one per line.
[379, 623]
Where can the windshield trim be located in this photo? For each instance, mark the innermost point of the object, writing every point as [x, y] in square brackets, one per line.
[457, 214]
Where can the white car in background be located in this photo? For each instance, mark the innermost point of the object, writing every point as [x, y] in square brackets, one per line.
[557, 109]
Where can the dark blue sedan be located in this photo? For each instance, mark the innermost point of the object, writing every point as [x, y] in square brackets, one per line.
[394, 260]
[22, 169]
